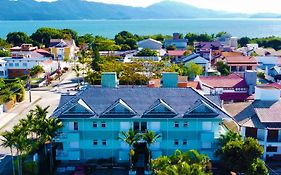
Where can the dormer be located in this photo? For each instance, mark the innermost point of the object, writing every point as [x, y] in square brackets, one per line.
[119, 109]
[160, 109]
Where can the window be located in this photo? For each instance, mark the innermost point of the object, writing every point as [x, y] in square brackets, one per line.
[184, 142]
[143, 126]
[103, 125]
[75, 126]
[95, 124]
[176, 124]
[271, 149]
[136, 126]
[176, 142]
[104, 142]
[207, 126]
[0, 65]
[24, 64]
[11, 64]
[95, 142]
[1, 73]
[185, 124]
[17, 64]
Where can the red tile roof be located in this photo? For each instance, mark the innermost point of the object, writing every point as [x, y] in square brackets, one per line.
[175, 52]
[41, 51]
[241, 60]
[193, 84]
[275, 85]
[230, 81]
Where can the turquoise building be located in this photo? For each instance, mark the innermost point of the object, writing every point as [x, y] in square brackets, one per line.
[93, 119]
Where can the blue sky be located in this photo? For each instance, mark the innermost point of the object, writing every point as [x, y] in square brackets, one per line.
[241, 6]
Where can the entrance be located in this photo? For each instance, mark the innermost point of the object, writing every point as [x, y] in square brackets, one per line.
[140, 158]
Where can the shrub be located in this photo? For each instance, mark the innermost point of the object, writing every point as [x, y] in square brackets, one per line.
[261, 75]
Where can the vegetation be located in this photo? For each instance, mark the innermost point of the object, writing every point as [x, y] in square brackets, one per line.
[147, 53]
[126, 40]
[193, 70]
[30, 134]
[4, 53]
[192, 37]
[241, 156]
[131, 137]
[171, 47]
[18, 38]
[223, 68]
[261, 75]
[266, 42]
[11, 91]
[36, 70]
[190, 162]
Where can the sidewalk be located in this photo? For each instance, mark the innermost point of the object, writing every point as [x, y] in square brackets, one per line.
[7, 117]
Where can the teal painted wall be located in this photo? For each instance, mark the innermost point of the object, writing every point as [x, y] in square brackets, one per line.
[199, 133]
[170, 79]
[109, 80]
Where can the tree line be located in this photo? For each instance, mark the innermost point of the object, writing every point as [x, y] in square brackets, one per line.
[29, 136]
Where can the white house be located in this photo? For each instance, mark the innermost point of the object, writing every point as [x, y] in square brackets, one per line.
[3, 68]
[150, 44]
[261, 119]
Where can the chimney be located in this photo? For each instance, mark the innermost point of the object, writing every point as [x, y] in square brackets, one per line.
[267, 93]
[176, 36]
[250, 77]
[109, 80]
[169, 79]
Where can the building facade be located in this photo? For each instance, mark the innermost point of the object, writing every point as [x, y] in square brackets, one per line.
[63, 49]
[93, 119]
[260, 119]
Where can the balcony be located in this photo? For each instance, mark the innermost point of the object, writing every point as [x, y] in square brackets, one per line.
[60, 137]
[60, 154]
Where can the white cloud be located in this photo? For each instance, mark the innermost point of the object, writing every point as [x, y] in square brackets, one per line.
[240, 6]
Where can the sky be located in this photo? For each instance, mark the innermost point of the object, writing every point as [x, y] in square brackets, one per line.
[240, 6]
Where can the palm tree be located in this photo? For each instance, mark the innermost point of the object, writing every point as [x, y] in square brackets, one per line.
[131, 137]
[52, 126]
[150, 137]
[9, 142]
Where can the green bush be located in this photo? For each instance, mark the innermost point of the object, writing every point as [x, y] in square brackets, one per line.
[261, 75]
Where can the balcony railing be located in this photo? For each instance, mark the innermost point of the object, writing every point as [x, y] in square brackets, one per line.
[61, 153]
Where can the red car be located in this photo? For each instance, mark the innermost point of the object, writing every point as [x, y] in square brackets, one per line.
[79, 170]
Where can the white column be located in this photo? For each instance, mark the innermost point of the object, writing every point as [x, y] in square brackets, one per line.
[265, 143]
[243, 131]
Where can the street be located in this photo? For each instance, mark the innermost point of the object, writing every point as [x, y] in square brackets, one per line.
[45, 96]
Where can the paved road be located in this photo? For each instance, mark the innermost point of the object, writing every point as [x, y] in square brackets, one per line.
[47, 96]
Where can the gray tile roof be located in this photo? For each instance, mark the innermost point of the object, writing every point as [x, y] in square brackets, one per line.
[139, 99]
[258, 114]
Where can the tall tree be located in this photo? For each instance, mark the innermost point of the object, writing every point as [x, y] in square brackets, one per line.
[241, 156]
[130, 137]
[18, 38]
[9, 142]
[150, 137]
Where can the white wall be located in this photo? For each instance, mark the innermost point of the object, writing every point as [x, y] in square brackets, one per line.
[267, 59]
[267, 94]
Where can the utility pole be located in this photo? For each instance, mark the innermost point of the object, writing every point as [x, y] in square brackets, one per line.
[29, 87]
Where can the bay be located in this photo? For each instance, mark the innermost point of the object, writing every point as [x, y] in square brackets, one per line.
[108, 28]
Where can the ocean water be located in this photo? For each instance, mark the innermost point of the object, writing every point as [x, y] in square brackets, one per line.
[108, 28]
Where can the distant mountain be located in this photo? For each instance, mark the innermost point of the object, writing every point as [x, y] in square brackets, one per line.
[81, 9]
